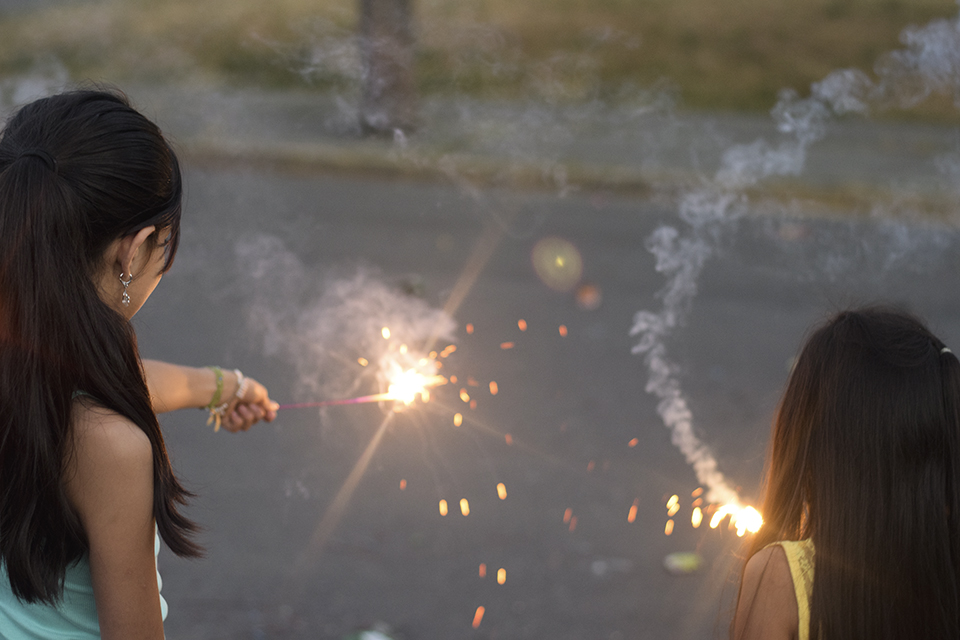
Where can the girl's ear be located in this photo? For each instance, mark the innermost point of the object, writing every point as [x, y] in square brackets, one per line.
[129, 246]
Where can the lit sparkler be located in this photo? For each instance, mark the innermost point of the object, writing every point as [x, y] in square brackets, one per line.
[404, 376]
[743, 518]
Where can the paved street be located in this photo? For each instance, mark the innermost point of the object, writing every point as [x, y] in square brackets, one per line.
[570, 404]
[302, 240]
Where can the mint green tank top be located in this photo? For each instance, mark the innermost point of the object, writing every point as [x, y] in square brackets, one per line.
[75, 617]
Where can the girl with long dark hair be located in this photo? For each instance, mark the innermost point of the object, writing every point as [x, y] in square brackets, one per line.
[90, 196]
[861, 538]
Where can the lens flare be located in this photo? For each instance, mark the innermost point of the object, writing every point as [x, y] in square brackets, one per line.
[557, 263]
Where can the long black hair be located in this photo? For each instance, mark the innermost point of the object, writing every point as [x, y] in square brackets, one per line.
[865, 460]
[77, 171]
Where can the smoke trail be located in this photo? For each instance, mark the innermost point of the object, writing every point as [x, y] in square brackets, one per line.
[324, 326]
[929, 63]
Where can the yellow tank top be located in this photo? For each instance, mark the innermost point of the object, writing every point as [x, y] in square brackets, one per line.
[800, 558]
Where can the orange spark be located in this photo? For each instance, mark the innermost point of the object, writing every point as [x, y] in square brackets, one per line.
[385, 332]
[501, 575]
[590, 466]
[633, 442]
[673, 505]
[697, 492]
[506, 345]
[522, 324]
[573, 523]
[403, 349]
[464, 395]
[494, 389]
[443, 507]
[508, 438]
[471, 382]
[483, 570]
[502, 491]
[453, 379]
[464, 507]
[698, 502]
[363, 362]
[403, 484]
[457, 419]
[668, 530]
[432, 355]
[473, 404]
[469, 328]
[632, 516]
[696, 518]
[566, 515]
[478, 616]
[450, 349]
[563, 331]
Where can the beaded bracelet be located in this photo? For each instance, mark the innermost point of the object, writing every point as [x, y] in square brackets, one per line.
[215, 408]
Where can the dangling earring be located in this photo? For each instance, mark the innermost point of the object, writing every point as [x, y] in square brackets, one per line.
[125, 298]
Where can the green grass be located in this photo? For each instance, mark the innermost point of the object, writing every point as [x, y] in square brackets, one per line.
[717, 54]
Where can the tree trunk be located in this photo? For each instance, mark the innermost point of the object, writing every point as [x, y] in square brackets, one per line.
[388, 100]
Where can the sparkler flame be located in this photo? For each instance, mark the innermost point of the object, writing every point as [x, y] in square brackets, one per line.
[407, 374]
[407, 385]
[742, 518]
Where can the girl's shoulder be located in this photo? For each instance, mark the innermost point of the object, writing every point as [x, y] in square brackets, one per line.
[767, 606]
[105, 435]
[109, 456]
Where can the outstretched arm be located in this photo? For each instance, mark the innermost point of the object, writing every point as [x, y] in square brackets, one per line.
[174, 387]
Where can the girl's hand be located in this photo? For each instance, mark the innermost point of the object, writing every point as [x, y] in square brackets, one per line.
[250, 408]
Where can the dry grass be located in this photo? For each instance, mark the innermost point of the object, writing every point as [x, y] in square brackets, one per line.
[728, 54]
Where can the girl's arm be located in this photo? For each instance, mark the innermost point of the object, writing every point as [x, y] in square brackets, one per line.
[174, 387]
[767, 606]
[109, 483]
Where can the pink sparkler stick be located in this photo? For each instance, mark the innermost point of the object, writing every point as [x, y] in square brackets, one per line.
[377, 397]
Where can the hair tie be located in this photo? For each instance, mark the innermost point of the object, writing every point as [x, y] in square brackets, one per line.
[945, 350]
[47, 159]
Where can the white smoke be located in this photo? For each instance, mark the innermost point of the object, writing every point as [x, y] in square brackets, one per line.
[929, 63]
[323, 326]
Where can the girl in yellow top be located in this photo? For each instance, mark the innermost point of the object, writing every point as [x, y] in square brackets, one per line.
[862, 498]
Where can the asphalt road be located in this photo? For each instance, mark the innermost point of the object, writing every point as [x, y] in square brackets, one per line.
[571, 405]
